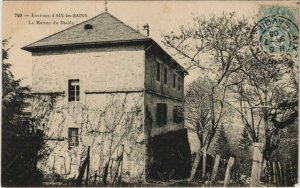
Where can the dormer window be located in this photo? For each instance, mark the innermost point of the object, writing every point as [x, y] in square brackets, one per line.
[88, 26]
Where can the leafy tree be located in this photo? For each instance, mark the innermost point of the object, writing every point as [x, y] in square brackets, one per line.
[288, 155]
[13, 94]
[243, 154]
[244, 140]
[222, 146]
[18, 150]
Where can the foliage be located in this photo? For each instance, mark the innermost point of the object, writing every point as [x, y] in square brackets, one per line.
[244, 141]
[13, 94]
[18, 149]
[222, 146]
[288, 155]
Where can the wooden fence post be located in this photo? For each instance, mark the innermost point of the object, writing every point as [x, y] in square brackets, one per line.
[87, 166]
[280, 177]
[215, 169]
[228, 171]
[82, 169]
[256, 164]
[275, 172]
[203, 166]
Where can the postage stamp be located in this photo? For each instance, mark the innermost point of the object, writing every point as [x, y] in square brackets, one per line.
[275, 35]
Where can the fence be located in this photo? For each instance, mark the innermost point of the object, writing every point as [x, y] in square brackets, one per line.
[281, 174]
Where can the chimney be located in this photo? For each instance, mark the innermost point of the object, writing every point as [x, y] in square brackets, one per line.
[146, 28]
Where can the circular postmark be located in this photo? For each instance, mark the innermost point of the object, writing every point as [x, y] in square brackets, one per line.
[274, 38]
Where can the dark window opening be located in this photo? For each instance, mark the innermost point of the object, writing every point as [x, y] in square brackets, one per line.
[73, 137]
[179, 83]
[178, 114]
[165, 75]
[157, 71]
[161, 114]
[88, 26]
[74, 90]
[174, 80]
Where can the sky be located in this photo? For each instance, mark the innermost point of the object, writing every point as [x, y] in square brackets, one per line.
[162, 16]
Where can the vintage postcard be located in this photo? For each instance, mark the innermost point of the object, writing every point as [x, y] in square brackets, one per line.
[150, 93]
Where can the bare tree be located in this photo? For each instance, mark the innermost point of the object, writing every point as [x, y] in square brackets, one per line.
[217, 45]
[197, 107]
[267, 97]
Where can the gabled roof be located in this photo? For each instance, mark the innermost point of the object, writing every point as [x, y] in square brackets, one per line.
[105, 28]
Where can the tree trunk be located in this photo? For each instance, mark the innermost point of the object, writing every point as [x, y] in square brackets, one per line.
[215, 170]
[256, 164]
[275, 173]
[203, 166]
[228, 172]
[195, 165]
[87, 167]
[280, 174]
[284, 174]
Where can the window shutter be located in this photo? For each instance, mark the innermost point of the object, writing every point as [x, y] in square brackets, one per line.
[69, 134]
[159, 114]
[174, 80]
[165, 75]
[165, 114]
[69, 95]
[157, 71]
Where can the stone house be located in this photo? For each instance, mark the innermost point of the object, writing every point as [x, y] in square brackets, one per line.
[103, 85]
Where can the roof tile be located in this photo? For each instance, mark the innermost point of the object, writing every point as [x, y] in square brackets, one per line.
[106, 28]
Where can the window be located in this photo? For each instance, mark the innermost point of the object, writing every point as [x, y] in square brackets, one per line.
[161, 114]
[88, 26]
[73, 137]
[165, 75]
[174, 80]
[74, 90]
[157, 71]
[179, 83]
[178, 114]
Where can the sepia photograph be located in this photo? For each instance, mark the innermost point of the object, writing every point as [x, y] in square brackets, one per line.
[150, 93]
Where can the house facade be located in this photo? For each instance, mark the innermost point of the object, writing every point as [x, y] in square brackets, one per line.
[104, 86]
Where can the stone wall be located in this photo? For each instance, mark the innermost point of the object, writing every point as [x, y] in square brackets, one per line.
[152, 128]
[97, 70]
[160, 87]
[105, 123]
[118, 88]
